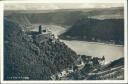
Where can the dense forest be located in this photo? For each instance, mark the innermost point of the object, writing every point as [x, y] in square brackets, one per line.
[24, 58]
[107, 30]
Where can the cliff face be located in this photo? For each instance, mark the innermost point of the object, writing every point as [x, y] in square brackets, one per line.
[24, 58]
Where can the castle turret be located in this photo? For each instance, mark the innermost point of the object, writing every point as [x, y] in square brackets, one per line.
[40, 29]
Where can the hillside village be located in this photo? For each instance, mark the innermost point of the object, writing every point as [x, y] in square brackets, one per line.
[79, 64]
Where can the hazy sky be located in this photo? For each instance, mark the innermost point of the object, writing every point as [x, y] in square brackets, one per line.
[52, 6]
[63, 5]
[64, 0]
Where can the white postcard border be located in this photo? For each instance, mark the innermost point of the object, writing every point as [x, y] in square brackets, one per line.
[68, 81]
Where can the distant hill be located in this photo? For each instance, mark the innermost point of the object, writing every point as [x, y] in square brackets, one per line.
[65, 17]
[89, 29]
[24, 58]
[22, 20]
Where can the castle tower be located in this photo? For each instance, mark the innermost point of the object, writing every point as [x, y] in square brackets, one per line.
[40, 29]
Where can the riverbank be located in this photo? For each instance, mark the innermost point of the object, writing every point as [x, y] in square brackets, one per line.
[100, 43]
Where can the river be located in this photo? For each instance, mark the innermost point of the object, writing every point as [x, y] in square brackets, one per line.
[95, 49]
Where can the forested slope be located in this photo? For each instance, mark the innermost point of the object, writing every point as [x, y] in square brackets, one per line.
[96, 30]
[24, 58]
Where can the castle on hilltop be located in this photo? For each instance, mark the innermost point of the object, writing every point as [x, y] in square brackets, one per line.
[44, 34]
[43, 30]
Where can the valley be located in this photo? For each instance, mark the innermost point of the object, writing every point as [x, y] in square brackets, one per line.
[84, 44]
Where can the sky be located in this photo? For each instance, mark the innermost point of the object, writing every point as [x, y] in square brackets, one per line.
[53, 6]
[64, 0]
